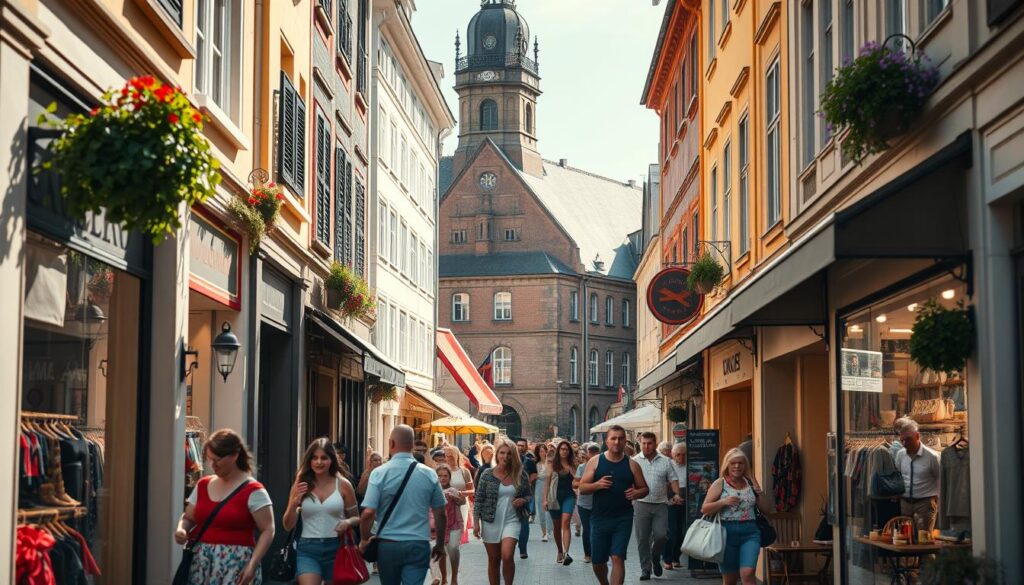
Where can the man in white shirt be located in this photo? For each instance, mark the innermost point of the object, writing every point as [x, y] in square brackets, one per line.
[676, 512]
[650, 514]
[922, 472]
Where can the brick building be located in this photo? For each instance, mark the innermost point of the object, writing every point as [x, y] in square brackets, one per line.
[535, 257]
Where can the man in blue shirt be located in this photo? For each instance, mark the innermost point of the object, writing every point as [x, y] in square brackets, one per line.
[404, 543]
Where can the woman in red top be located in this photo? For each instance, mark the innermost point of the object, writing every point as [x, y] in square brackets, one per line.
[228, 553]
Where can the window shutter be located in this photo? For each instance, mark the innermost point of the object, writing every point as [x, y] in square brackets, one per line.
[286, 134]
[999, 9]
[174, 9]
[343, 208]
[360, 229]
[300, 144]
[348, 212]
[323, 180]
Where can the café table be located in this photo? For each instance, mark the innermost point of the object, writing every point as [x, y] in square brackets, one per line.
[788, 551]
[895, 552]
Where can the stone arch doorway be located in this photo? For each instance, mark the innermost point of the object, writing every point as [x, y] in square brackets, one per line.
[509, 422]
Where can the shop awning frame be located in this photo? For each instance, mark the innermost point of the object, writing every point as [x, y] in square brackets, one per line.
[647, 417]
[455, 358]
[437, 402]
[375, 365]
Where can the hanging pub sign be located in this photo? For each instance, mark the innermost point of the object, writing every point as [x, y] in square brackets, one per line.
[670, 299]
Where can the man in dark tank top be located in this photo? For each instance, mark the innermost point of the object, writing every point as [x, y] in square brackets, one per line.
[616, 481]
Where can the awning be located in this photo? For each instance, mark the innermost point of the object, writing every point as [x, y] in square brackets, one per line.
[658, 375]
[375, 365]
[465, 374]
[459, 425]
[437, 403]
[639, 419]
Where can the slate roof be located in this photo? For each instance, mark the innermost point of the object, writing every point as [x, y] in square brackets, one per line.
[501, 264]
[445, 176]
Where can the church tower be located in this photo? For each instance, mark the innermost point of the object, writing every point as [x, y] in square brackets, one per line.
[498, 86]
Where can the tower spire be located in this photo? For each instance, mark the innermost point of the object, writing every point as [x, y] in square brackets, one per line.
[458, 50]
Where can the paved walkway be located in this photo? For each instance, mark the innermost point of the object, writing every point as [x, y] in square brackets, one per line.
[540, 568]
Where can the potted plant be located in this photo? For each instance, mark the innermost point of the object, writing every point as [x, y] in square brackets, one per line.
[876, 97]
[348, 292]
[942, 339]
[960, 567]
[257, 214]
[136, 158]
[382, 391]
[705, 275]
[676, 414]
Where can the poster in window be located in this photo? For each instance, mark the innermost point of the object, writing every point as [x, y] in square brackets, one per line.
[861, 370]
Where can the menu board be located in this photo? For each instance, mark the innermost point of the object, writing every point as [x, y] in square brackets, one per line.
[861, 370]
[702, 469]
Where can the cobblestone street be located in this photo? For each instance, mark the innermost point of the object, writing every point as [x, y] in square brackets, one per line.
[540, 568]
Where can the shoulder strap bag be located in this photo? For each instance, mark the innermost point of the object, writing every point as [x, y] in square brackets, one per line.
[764, 527]
[370, 554]
[283, 562]
[705, 539]
[185, 566]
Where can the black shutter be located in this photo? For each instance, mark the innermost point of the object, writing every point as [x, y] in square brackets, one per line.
[286, 134]
[300, 145]
[999, 9]
[343, 208]
[174, 9]
[360, 229]
[344, 30]
[323, 180]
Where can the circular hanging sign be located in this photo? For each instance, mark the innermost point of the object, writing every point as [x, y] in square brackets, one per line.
[670, 299]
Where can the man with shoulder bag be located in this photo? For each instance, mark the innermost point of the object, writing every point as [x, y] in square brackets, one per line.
[408, 492]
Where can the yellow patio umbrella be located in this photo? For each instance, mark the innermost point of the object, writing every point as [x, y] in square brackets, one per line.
[459, 425]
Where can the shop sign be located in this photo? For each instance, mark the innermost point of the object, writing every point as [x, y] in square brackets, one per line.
[214, 267]
[679, 432]
[275, 298]
[730, 366]
[670, 299]
[861, 370]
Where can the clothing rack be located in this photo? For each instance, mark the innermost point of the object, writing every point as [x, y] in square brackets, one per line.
[47, 415]
[51, 513]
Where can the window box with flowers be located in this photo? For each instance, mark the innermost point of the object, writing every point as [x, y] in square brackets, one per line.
[258, 213]
[382, 391]
[876, 97]
[348, 293]
[136, 158]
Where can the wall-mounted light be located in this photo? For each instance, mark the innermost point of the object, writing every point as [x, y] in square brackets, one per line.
[225, 347]
[189, 361]
[697, 400]
[881, 318]
[89, 318]
[948, 294]
[912, 307]
[897, 330]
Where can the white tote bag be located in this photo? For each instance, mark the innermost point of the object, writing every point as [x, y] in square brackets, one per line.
[705, 540]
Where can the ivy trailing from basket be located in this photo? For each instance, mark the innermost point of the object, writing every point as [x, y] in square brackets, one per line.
[383, 391]
[676, 414]
[705, 274]
[136, 158]
[348, 292]
[876, 96]
[257, 214]
[942, 339]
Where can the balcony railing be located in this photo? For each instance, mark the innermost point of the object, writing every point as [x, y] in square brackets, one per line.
[507, 60]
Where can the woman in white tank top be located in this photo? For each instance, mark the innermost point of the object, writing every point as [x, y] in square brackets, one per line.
[326, 503]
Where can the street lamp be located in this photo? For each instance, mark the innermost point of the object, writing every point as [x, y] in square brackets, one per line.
[89, 318]
[226, 346]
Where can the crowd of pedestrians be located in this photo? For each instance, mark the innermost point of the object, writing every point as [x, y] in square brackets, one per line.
[415, 496]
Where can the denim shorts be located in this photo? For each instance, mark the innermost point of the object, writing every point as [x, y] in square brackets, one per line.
[609, 537]
[316, 555]
[742, 546]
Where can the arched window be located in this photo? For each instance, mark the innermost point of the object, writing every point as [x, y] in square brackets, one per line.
[609, 311]
[593, 307]
[502, 360]
[594, 418]
[609, 369]
[488, 115]
[592, 370]
[625, 371]
[529, 119]
[574, 424]
[460, 307]
[503, 306]
[574, 357]
[509, 422]
[626, 310]
[574, 305]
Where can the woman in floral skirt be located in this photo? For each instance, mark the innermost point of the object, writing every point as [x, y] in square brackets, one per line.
[227, 552]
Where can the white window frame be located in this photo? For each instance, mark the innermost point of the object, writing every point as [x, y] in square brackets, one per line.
[808, 97]
[503, 306]
[393, 233]
[727, 191]
[382, 229]
[773, 142]
[574, 305]
[744, 169]
[625, 370]
[713, 189]
[627, 308]
[218, 68]
[593, 308]
[609, 368]
[460, 307]
[592, 378]
[574, 374]
[501, 360]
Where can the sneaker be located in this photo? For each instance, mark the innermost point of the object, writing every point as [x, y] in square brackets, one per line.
[657, 569]
[544, 538]
[524, 556]
[586, 560]
[645, 575]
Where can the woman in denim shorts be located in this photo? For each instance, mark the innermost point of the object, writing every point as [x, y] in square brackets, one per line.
[733, 497]
[326, 502]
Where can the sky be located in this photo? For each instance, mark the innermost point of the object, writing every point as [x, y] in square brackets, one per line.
[594, 58]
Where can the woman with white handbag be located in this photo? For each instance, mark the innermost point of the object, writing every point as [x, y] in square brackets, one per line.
[733, 499]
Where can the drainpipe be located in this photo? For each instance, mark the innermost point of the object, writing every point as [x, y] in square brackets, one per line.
[585, 383]
[257, 107]
[436, 205]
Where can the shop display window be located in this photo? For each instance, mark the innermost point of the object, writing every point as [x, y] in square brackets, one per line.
[80, 385]
[879, 384]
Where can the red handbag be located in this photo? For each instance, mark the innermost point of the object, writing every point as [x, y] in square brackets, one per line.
[349, 566]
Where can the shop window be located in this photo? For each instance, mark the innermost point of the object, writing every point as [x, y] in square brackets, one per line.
[80, 397]
[879, 389]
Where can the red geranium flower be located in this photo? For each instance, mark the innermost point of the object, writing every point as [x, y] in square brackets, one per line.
[95, 111]
[163, 93]
[196, 117]
[173, 118]
[147, 81]
[280, 197]
[252, 201]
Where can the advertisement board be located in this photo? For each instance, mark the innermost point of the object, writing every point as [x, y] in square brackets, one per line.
[702, 469]
[861, 370]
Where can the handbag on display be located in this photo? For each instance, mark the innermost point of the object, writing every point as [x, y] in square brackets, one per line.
[282, 563]
[888, 485]
[370, 554]
[767, 532]
[349, 564]
[932, 410]
[705, 540]
[185, 566]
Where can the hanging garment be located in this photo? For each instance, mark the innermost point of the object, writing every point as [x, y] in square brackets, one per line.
[955, 490]
[32, 556]
[786, 477]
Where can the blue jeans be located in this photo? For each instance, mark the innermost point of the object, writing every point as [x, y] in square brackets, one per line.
[316, 555]
[524, 534]
[676, 531]
[742, 546]
[403, 562]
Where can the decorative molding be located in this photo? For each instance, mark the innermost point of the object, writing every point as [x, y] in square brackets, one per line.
[710, 140]
[222, 122]
[771, 16]
[168, 29]
[726, 33]
[323, 20]
[323, 83]
[723, 114]
[21, 29]
[740, 83]
[125, 42]
[711, 68]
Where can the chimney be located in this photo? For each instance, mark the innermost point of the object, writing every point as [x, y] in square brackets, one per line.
[563, 162]
[631, 183]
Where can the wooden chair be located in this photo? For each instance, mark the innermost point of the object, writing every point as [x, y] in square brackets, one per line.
[787, 567]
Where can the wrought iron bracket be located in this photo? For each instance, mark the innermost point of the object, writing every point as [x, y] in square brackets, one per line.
[815, 332]
[965, 274]
[188, 365]
[749, 344]
[723, 248]
[906, 39]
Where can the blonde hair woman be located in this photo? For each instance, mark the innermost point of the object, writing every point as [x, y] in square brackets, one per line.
[501, 505]
[733, 497]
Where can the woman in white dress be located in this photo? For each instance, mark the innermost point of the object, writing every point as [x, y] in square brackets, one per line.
[501, 505]
[540, 454]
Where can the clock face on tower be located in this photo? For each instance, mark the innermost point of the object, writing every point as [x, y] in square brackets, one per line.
[488, 181]
[490, 42]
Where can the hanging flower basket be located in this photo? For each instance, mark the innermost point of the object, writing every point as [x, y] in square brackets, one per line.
[136, 158]
[348, 292]
[705, 275]
[942, 339]
[257, 214]
[876, 97]
[676, 414]
[381, 392]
